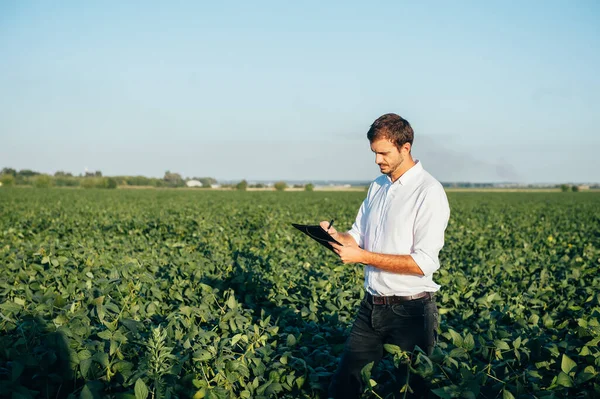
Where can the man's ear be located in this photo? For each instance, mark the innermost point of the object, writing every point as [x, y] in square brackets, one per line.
[407, 147]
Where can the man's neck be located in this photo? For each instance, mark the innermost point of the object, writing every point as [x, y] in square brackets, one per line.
[405, 166]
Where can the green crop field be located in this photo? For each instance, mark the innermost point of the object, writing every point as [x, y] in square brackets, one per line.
[166, 293]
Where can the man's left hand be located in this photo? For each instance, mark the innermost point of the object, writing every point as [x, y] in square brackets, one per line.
[349, 254]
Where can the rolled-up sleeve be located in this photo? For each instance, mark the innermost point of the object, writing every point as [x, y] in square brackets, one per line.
[430, 223]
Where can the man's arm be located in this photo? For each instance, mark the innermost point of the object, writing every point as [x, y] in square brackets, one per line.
[351, 253]
[402, 264]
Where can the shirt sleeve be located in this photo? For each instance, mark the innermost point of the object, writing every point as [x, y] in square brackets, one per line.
[430, 223]
[358, 228]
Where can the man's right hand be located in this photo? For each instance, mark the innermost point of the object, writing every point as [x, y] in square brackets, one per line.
[332, 231]
[343, 238]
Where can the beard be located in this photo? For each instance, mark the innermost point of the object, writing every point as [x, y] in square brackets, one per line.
[389, 169]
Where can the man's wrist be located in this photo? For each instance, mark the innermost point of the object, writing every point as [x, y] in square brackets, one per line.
[365, 256]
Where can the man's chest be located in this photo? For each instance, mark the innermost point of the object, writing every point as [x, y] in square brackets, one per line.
[391, 211]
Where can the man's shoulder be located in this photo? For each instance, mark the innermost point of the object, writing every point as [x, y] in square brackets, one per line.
[429, 183]
[433, 191]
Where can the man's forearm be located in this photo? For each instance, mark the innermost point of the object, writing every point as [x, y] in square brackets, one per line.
[350, 252]
[402, 264]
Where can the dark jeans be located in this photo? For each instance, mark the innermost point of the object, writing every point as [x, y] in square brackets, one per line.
[406, 325]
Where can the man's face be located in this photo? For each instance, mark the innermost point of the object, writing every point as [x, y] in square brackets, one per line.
[387, 156]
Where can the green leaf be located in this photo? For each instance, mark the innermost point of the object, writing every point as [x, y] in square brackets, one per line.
[469, 343]
[590, 369]
[584, 351]
[493, 297]
[84, 366]
[517, 343]
[291, 340]
[102, 358]
[86, 393]
[456, 338]
[567, 364]
[393, 349]
[564, 380]
[141, 390]
[507, 395]
[106, 334]
[501, 345]
[458, 353]
[366, 372]
[123, 367]
[534, 373]
[202, 355]
[114, 345]
[231, 302]
[235, 339]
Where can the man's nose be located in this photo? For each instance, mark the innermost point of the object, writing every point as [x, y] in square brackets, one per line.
[378, 159]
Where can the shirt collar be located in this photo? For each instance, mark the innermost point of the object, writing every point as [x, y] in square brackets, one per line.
[409, 175]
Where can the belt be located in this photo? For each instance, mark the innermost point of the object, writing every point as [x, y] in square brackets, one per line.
[396, 299]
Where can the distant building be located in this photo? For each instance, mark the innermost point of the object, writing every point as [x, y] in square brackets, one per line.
[193, 183]
[583, 187]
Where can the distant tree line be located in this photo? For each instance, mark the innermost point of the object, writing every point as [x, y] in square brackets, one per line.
[565, 187]
[562, 187]
[279, 186]
[27, 177]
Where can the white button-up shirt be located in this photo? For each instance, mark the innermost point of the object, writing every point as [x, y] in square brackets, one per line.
[406, 217]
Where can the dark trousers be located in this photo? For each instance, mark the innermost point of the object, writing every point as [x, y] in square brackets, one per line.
[405, 325]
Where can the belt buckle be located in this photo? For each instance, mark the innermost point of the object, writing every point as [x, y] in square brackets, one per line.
[378, 300]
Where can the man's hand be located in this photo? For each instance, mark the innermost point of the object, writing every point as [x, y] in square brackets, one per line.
[332, 231]
[343, 238]
[349, 253]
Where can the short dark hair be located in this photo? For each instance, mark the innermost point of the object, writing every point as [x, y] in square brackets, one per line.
[392, 127]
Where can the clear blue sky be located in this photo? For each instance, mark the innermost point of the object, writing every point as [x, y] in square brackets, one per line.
[495, 90]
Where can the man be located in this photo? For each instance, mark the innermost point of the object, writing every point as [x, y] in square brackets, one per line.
[398, 233]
